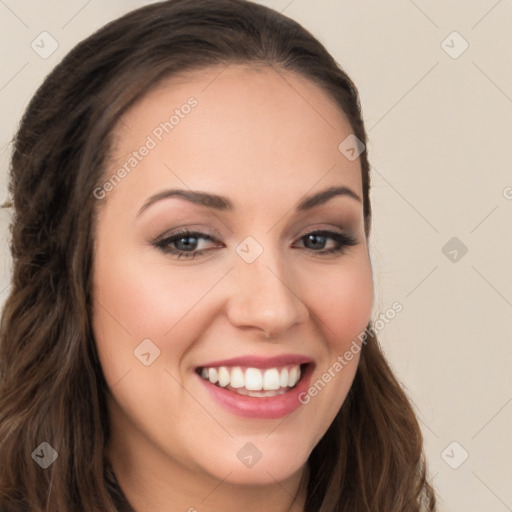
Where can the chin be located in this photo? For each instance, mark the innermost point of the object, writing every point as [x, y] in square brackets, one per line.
[252, 466]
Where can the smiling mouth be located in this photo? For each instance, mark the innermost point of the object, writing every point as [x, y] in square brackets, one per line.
[252, 381]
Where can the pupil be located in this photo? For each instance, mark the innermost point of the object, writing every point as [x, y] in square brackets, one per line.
[187, 245]
[316, 237]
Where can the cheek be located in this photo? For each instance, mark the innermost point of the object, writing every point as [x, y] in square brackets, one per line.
[136, 299]
[344, 303]
[343, 306]
[144, 302]
[142, 293]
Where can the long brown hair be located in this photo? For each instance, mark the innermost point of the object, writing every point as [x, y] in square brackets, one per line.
[52, 387]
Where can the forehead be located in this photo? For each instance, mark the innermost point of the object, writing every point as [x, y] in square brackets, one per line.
[238, 127]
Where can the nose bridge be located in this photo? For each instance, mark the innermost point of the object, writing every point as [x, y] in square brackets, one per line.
[263, 295]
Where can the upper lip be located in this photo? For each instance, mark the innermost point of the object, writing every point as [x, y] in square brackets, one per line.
[260, 361]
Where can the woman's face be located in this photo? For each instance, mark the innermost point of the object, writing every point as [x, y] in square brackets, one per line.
[265, 142]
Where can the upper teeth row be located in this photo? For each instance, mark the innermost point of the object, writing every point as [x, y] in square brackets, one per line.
[253, 379]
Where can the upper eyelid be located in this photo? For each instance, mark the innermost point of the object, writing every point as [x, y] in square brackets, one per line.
[189, 232]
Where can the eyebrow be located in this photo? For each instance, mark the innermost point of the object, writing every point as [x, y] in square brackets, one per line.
[224, 204]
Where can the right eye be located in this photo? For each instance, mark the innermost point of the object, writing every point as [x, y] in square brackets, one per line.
[183, 244]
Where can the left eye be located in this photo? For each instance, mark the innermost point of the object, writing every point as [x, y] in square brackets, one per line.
[184, 244]
[342, 240]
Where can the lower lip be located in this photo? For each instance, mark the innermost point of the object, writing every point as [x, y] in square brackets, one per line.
[260, 407]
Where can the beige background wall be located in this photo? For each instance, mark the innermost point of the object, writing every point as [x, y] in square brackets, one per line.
[439, 118]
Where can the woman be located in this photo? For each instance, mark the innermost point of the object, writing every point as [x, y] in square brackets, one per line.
[188, 326]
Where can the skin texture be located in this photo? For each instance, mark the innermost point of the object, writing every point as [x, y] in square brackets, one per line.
[264, 140]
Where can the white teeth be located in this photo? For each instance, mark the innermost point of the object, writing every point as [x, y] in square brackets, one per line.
[283, 378]
[224, 377]
[271, 379]
[243, 391]
[293, 376]
[237, 378]
[213, 376]
[253, 379]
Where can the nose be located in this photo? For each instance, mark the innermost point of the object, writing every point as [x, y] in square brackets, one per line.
[265, 297]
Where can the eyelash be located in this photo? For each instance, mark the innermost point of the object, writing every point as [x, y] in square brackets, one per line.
[343, 240]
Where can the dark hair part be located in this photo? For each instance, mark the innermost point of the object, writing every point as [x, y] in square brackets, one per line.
[52, 388]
